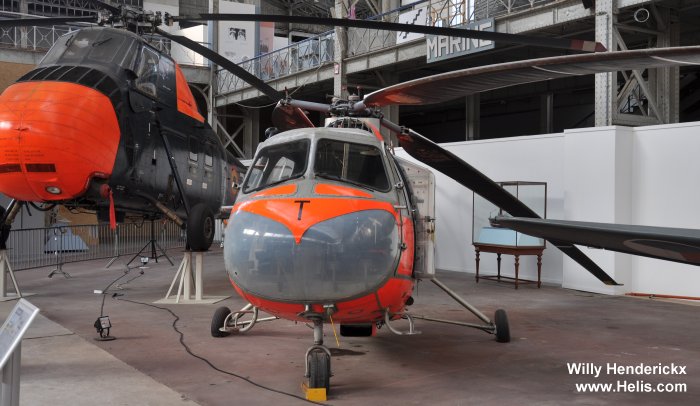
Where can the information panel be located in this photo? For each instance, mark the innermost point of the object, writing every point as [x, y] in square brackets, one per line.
[15, 326]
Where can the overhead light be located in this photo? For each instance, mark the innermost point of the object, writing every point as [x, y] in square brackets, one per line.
[54, 190]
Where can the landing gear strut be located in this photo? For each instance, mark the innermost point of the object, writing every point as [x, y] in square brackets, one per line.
[318, 360]
[224, 322]
[498, 327]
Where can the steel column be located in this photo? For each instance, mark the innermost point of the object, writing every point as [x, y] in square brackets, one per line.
[340, 81]
[605, 83]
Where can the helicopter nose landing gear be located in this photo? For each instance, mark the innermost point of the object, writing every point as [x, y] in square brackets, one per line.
[318, 367]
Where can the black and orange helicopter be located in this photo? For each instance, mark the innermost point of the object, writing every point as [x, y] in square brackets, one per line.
[108, 122]
[329, 225]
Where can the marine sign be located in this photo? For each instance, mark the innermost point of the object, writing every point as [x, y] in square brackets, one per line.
[440, 48]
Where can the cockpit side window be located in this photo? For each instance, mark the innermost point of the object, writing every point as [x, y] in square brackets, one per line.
[78, 46]
[358, 164]
[147, 71]
[58, 48]
[106, 47]
[276, 164]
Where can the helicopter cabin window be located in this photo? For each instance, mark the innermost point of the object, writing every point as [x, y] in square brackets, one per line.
[358, 164]
[147, 71]
[193, 156]
[276, 164]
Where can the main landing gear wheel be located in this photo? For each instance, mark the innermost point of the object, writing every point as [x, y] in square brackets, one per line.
[218, 321]
[200, 228]
[502, 329]
[319, 364]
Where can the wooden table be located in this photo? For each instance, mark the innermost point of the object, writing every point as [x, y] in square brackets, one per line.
[516, 252]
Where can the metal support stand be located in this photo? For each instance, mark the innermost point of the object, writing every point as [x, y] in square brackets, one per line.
[5, 270]
[58, 270]
[187, 281]
[153, 244]
[9, 387]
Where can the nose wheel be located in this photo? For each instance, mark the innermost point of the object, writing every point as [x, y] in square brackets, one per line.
[318, 362]
[318, 366]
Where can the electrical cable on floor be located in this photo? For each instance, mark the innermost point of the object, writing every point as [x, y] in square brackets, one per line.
[214, 367]
[104, 291]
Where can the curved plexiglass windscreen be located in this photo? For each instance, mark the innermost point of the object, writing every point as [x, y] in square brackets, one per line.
[358, 164]
[92, 45]
[340, 258]
[276, 164]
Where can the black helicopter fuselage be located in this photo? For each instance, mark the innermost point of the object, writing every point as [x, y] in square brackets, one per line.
[106, 117]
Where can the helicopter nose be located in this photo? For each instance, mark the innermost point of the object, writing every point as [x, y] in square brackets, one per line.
[345, 256]
[54, 138]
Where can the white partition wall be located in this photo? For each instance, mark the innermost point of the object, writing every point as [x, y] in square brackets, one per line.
[644, 175]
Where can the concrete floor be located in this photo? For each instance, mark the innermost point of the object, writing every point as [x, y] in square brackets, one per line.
[445, 365]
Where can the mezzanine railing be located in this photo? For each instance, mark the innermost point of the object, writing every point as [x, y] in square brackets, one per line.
[312, 53]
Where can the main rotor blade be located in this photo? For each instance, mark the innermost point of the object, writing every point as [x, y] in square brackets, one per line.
[451, 165]
[464, 82]
[560, 43]
[286, 117]
[224, 63]
[28, 22]
[672, 244]
[289, 114]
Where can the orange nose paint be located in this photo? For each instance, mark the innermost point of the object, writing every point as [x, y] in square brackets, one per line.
[55, 137]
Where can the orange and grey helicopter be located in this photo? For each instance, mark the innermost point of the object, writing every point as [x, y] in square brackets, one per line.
[331, 226]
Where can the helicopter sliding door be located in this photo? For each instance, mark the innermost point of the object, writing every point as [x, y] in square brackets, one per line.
[422, 186]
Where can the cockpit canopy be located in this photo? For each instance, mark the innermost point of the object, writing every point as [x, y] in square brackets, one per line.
[113, 50]
[98, 45]
[356, 163]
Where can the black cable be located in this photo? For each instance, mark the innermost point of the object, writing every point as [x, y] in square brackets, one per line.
[104, 291]
[214, 367]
